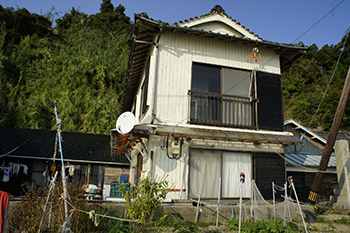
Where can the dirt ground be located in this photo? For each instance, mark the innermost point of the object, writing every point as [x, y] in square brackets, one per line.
[333, 221]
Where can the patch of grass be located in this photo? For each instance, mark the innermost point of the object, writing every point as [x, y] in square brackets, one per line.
[343, 220]
[262, 226]
[174, 222]
[321, 219]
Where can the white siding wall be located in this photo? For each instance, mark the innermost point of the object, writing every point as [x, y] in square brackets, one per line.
[177, 170]
[177, 53]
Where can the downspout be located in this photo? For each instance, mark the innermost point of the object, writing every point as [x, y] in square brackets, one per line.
[161, 26]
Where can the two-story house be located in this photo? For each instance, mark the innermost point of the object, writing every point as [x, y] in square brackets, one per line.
[207, 98]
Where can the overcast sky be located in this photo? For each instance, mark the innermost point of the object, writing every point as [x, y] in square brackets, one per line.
[280, 21]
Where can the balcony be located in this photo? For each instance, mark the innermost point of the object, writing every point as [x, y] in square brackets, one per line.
[222, 110]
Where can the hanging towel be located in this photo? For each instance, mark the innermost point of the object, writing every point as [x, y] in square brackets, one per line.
[52, 169]
[25, 169]
[6, 176]
[4, 201]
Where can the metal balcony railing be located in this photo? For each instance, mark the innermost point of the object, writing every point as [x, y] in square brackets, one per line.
[222, 110]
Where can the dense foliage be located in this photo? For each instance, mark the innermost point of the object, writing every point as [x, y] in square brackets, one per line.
[305, 83]
[80, 63]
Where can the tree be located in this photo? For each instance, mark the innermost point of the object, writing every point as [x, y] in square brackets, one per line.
[80, 66]
[20, 23]
[306, 81]
[106, 6]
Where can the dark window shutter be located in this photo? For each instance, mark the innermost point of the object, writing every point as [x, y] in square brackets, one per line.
[268, 168]
[270, 107]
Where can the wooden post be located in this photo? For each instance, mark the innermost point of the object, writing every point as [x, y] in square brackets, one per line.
[199, 198]
[217, 209]
[88, 175]
[331, 139]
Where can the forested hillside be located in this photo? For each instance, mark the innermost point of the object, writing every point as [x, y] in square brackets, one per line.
[81, 63]
[305, 83]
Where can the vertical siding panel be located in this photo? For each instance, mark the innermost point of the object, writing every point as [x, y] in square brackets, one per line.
[176, 169]
[178, 52]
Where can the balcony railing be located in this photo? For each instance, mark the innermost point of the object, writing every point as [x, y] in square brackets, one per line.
[222, 110]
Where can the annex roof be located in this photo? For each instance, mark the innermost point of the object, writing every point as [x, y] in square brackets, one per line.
[308, 160]
[147, 32]
[40, 144]
[320, 137]
[306, 131]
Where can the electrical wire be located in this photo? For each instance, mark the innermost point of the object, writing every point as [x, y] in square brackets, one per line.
[324, 95]
[248, 76]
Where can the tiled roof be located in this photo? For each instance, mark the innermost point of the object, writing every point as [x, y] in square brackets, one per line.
[216, 10]
[340, 135]
[40, 144]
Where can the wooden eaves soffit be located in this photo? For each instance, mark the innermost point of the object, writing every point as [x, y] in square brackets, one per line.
[123, 144]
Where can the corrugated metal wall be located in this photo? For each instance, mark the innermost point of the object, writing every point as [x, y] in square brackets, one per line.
[177, 53]
[306, 147]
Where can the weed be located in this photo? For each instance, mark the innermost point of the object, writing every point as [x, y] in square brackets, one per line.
[261, 226]
[320, 209]
[120, 227]
[343, 220]
[321, 219]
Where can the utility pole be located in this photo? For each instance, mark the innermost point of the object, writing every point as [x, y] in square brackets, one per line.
[66, 225]
[331, 139]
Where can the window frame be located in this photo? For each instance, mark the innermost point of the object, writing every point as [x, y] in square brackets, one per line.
[221, 158]
[226, 108]
[144, 91]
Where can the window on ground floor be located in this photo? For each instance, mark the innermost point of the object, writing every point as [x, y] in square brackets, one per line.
[207, 166]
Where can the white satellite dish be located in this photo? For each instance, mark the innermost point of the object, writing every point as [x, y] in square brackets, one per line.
[125, 123]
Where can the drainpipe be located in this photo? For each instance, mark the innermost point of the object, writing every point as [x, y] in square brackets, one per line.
[161, 26]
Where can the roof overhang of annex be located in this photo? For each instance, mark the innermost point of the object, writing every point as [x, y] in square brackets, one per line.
[256, 138]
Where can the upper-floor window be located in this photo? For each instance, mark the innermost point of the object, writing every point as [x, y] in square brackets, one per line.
[144, 91]
[214, 79]
[222, 96]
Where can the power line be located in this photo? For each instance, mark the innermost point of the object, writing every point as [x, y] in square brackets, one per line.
[324, 95]
[307, 30]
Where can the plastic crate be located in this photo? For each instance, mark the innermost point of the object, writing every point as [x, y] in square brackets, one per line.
[115, 189]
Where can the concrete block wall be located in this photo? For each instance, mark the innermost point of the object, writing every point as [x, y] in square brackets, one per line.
[341, 199]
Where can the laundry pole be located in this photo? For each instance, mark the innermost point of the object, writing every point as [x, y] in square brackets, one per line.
[66, 225]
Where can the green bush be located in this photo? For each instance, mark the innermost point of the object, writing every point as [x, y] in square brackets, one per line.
[144, 200]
